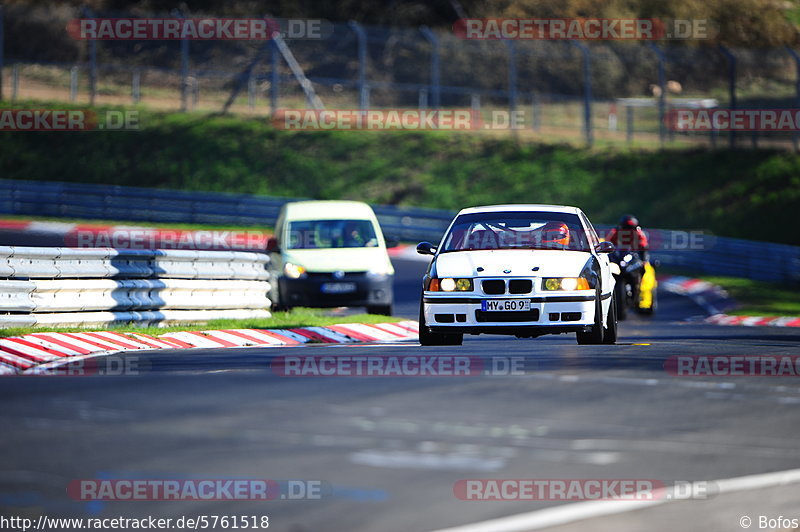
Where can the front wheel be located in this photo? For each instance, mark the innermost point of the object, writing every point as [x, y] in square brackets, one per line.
[428, 338]
[621, 296]
[610, 331]
[595, 334]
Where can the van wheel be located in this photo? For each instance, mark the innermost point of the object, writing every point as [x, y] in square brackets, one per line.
[380, 310]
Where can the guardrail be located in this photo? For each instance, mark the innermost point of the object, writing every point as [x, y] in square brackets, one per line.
[717, 255]
[94, 286]
[105, 202]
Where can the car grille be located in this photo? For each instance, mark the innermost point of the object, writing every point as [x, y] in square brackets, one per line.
[483, 316]
[494, 287]
[520, 286]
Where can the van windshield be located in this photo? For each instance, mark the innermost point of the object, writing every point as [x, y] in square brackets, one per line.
[325, 234]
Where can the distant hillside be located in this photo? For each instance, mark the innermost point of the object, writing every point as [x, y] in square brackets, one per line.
[749, 193]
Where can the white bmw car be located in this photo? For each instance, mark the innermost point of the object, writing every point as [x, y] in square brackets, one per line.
[522, 270]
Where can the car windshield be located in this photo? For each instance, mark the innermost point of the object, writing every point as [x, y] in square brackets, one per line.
[325, 234]
[516, 230]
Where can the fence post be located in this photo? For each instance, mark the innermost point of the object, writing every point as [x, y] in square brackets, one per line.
[136, 83]
[195, 92]
[251, 91]
[587, 90]
[475, 104]
[662, 84]
[275, 78]
[423, 99]
[435, 69]
[184, 68]
[796, 58]
[629, 123]
[731, 88]
[87, 13]
[2, 50]
[14, 82]
[512, 76]
[536, 110]
[361, 37]
[73, 84]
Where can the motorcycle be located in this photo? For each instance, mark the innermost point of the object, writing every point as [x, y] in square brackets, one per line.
[635, 283]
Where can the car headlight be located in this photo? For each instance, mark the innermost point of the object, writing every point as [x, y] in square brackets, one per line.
[565, 283]
[448, 284]
[294, 271]
[378, 273]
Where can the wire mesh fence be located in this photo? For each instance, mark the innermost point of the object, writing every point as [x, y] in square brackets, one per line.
[600, 91]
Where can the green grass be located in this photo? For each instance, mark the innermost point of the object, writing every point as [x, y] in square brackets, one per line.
[723, 191]
[758, 298]
[299, 317]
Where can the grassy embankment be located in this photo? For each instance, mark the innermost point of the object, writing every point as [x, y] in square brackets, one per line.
[298, 317]
[729, 193]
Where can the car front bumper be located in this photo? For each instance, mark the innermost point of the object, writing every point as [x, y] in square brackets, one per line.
[552, 314]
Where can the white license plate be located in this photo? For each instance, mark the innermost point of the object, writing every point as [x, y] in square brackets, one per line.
[506, 305]
[338, 288]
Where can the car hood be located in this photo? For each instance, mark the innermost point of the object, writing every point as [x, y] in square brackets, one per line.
[520, 262]
[340, 259]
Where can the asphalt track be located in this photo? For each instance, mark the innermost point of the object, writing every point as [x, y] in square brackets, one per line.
[390, 450]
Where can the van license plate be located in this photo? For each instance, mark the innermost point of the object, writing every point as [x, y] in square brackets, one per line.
[338, 288]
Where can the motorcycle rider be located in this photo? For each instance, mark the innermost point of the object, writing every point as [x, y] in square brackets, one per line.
[629, 235]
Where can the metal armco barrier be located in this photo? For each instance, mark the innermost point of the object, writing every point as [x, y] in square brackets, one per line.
[716, 255]
[104, 202]
[69, 286]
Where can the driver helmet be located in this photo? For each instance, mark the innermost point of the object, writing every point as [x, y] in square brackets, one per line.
[555, 233]
[628, 221]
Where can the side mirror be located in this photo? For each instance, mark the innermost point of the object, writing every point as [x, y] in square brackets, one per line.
[391, 242]
[272, 245]
[426, 248]
[605, 247]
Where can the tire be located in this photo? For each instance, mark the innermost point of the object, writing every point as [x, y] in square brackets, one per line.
[277, 306]
[380, 310]
[621, 299]
[595, 335]
[610, 332]
[427, 338]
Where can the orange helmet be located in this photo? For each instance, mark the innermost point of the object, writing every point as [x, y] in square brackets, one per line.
[555, 233]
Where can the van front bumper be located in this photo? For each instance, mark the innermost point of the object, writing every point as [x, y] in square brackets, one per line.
[323, 290]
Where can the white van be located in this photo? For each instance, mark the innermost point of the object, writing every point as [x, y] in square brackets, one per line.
[330, 254]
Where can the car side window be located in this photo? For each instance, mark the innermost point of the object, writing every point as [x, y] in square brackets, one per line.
[591, 234]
